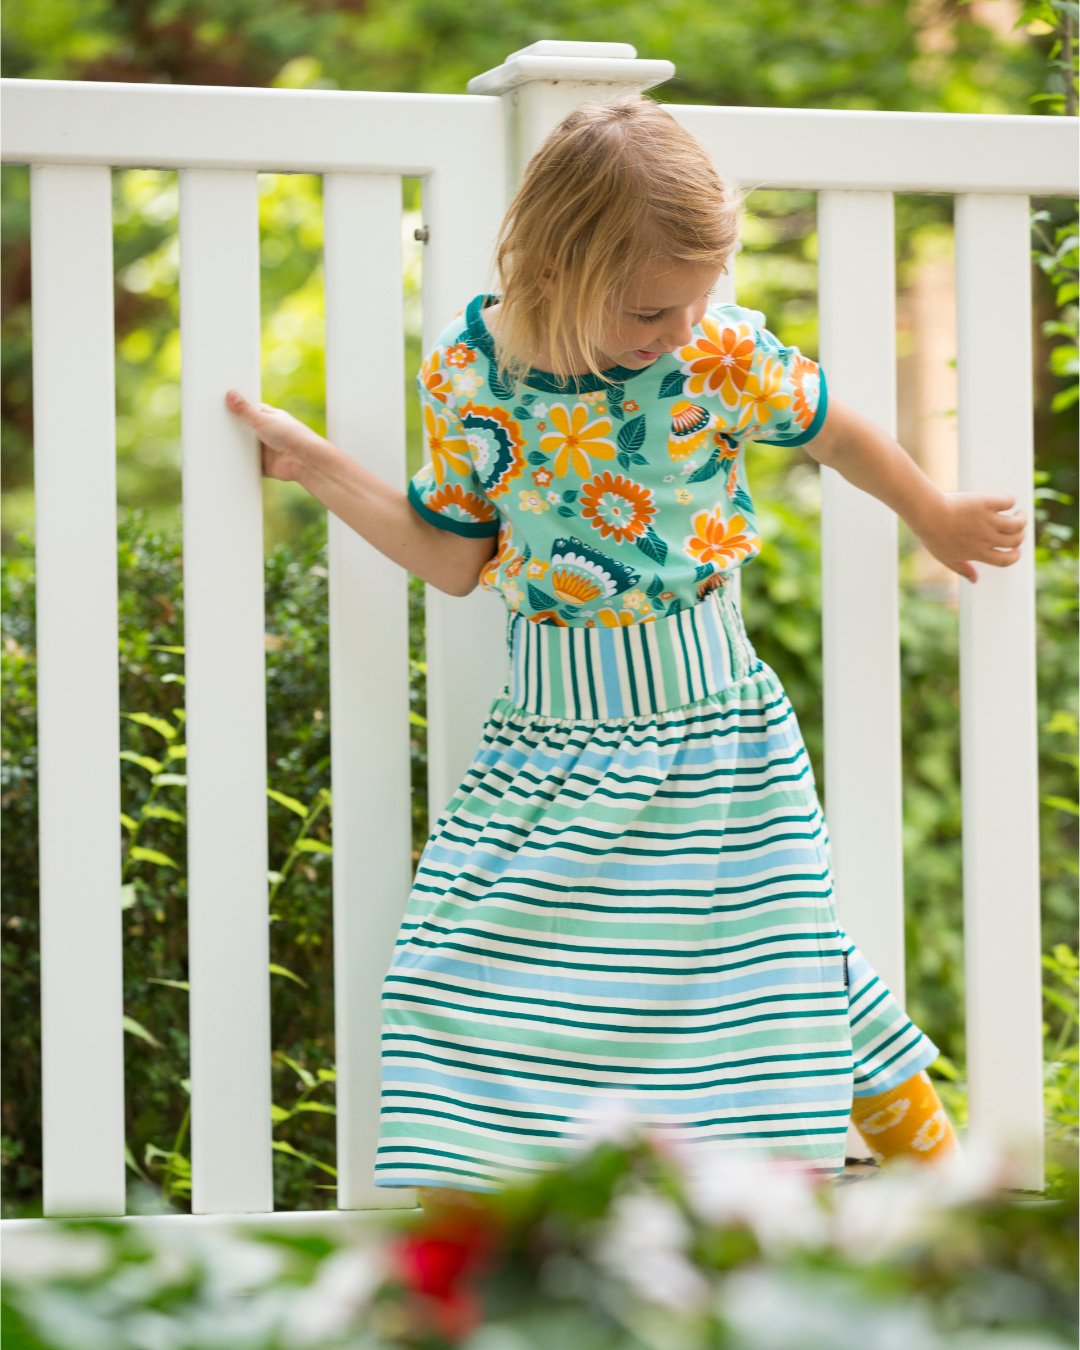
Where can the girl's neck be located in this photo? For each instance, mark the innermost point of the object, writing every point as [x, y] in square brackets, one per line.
[541, 361]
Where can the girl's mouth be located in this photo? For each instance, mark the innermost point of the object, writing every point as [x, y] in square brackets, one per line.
[648, 356]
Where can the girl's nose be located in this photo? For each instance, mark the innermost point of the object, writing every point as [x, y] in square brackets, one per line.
[679, 330]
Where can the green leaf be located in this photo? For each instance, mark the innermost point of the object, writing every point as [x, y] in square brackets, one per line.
[293, 805]
[151, 811]
[313, 846]
[287, 974]
[540, 599]
[671, 386]
[278, 1114]
[170, 678]
[171, 984]
[143, 761]
[157, 647]
[708, 470]
[158, 724]
[127, 822]
[127, 896]
[176, 752]
[137, 1029]
[1062, 804]
[170, 780]
[632, 435]
[416, 719]
[151, 855]
[305, 1075]
[282, 1147]
[321, 1107]
[566, 511]
[652, 546]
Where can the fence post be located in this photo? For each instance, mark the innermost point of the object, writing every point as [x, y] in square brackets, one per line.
[540, 84]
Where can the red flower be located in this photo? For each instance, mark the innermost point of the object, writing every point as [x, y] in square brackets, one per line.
[436, 1263]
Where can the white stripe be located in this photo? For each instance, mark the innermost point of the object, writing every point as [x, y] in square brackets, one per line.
[638, 658]
[568, 683]
[652, 642]
[701, 615]
[592, 637]
[627, 709]
[693, 675]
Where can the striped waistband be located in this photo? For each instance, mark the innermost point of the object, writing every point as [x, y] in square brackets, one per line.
[592, 674]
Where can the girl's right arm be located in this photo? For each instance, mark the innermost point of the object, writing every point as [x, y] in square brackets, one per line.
[382, 514]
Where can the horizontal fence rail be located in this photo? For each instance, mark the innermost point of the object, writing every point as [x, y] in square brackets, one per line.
[72, 135]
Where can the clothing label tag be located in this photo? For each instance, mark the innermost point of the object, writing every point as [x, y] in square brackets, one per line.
[846, 982]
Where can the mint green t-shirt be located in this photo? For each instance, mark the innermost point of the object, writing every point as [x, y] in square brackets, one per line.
[616, 500]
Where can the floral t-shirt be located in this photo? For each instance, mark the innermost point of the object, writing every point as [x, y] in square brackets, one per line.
[619, 499]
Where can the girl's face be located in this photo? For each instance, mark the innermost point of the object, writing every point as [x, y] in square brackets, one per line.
[656, 313]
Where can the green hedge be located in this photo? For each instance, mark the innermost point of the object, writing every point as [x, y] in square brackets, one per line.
[782, 602]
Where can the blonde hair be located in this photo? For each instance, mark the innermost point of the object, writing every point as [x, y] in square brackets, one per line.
[614, 187]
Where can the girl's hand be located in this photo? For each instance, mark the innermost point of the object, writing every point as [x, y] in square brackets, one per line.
[965, 528]
[287, 445]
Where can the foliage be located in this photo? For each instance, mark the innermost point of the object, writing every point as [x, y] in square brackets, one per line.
[782, 602]
[630, 1244]
[154, 862]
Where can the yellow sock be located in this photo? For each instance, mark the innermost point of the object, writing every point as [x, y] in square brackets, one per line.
[907, 1121]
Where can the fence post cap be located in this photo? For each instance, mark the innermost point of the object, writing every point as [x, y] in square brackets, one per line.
[601, 63]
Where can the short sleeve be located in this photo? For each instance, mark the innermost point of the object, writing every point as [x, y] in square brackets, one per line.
[766, 391]
[446, 491]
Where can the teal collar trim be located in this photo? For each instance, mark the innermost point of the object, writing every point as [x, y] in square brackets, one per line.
[481, 338]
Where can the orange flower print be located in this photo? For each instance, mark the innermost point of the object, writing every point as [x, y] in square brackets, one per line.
[621, 618]
[806, 377]
[504, 554]
[763, 394]
[513, 569]
[434, 379]
[719, 361]
[453, 501]
[448, 453]
[576, 440]
[616, 506]
[547, 616]
[717, 539]
[630, 406]
[536, 567]
[542, 477]
[690, 428]
[732, 481]
[460, 355]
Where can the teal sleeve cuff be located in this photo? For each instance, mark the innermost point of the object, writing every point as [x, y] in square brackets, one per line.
[815, 426]
[472, 529]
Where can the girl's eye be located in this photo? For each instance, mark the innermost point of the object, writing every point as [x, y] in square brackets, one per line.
[648, 318]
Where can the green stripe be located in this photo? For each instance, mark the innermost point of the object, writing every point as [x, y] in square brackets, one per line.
[552, 652]
[571, 642]
[700, 655]
[647, 658]
[592, 679]
[626, 661]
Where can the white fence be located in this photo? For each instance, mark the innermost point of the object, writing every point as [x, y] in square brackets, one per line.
[73, 135]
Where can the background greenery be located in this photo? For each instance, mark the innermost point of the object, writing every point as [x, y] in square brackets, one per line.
[934, 55]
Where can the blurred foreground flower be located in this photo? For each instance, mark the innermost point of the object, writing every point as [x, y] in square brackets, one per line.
[635, 1243]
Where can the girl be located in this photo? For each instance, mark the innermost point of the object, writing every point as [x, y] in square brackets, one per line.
[629, 896]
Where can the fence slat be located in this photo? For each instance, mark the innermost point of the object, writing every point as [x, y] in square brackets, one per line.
[998, 711]
[860, 616]
[465, 637]
[860, 612]
[226, 706]
[78, 696]
[369, 650]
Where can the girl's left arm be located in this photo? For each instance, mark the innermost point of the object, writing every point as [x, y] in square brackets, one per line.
[958, 528]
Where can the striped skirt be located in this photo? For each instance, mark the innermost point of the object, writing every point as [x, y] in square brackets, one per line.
[628, 902]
